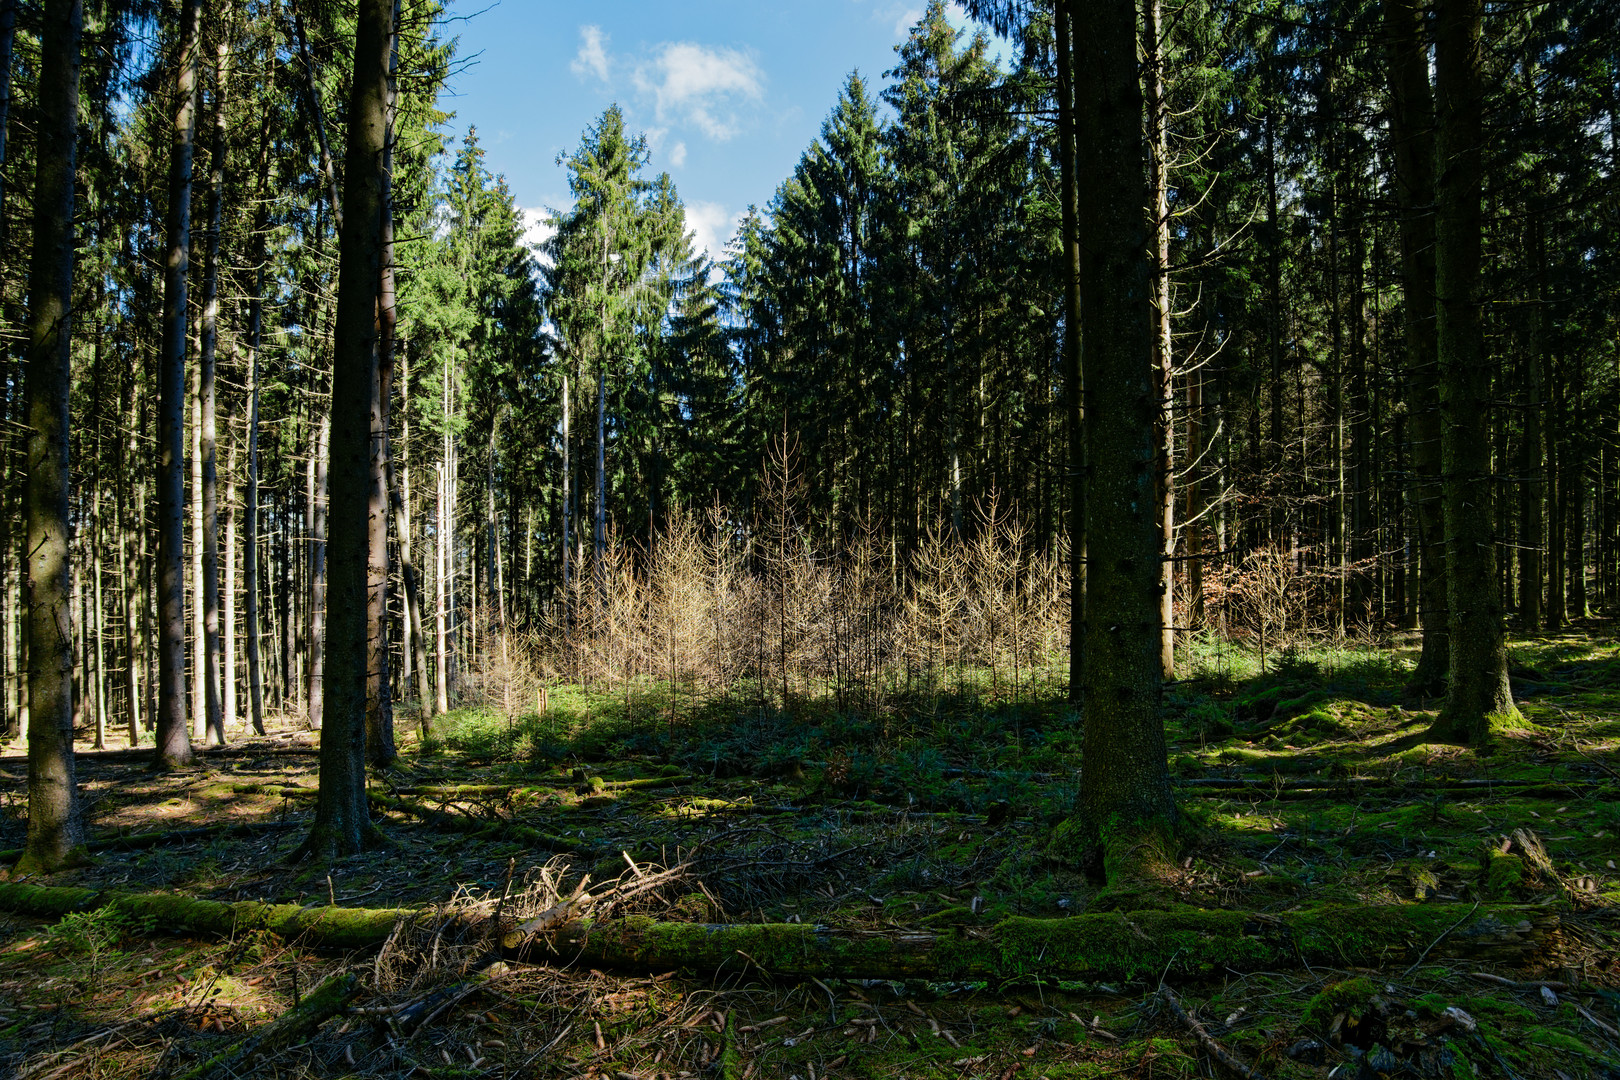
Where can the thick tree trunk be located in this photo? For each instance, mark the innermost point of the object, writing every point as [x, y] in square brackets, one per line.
[55, 825]
[1125, 781]
[1478, 700]
[342, 825]
[1412, 131]
[173, 738]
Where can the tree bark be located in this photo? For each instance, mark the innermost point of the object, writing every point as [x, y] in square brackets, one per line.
[55, 824]
[1125, 781]
[1073, 383]
[1412, 132]
[1164, 471]
[250, 503]
[342, 825]
[319, 577]
[208, 439]
[173, 738]
[380, 748]
[1478, 700]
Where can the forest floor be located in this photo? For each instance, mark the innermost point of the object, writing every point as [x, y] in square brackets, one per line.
[1309, 786]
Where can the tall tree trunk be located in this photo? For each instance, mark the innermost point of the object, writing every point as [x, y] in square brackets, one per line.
[1412, 131]
[1572, 464]
[441, 656]
[380, 749]
[319, 481]
[208, 440]
[1164, 360]
[1073, 383]
[55, 824]
[173, 738]
[228, 604]
[200, 695]
[404, 521]
[130, 563]
[1478, 701]
[342, 825]
[1531, 462]
[1125, 779]
[250, 502]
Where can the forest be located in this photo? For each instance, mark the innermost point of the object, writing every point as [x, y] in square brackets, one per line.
[1110, 571]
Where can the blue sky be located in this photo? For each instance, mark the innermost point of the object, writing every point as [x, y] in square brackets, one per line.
[728, 92]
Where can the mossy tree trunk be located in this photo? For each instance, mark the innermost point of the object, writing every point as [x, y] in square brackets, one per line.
[1411, 119]
[342, 823]
[1478, 700]
[1124, 781]
[55, 827]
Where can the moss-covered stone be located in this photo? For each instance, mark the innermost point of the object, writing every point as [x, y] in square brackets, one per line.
[1350, 996]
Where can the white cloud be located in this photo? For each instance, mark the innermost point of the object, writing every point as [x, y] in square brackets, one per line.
[711, 226]
[536, 229]
[677, 155]
[702, 86]
[905, 20]
[592, 57]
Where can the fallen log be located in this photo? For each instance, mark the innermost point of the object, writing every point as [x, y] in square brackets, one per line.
[295, 1026]
[1183, 943]
[318, 927]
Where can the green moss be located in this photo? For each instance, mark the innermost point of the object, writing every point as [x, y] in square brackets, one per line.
[1350, 996]
[1504, 874]
[1553, 1039]
[1430, 1006]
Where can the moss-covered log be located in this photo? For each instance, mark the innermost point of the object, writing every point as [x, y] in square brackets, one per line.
[318, 927]
[1183, 943]
[288, 1029]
